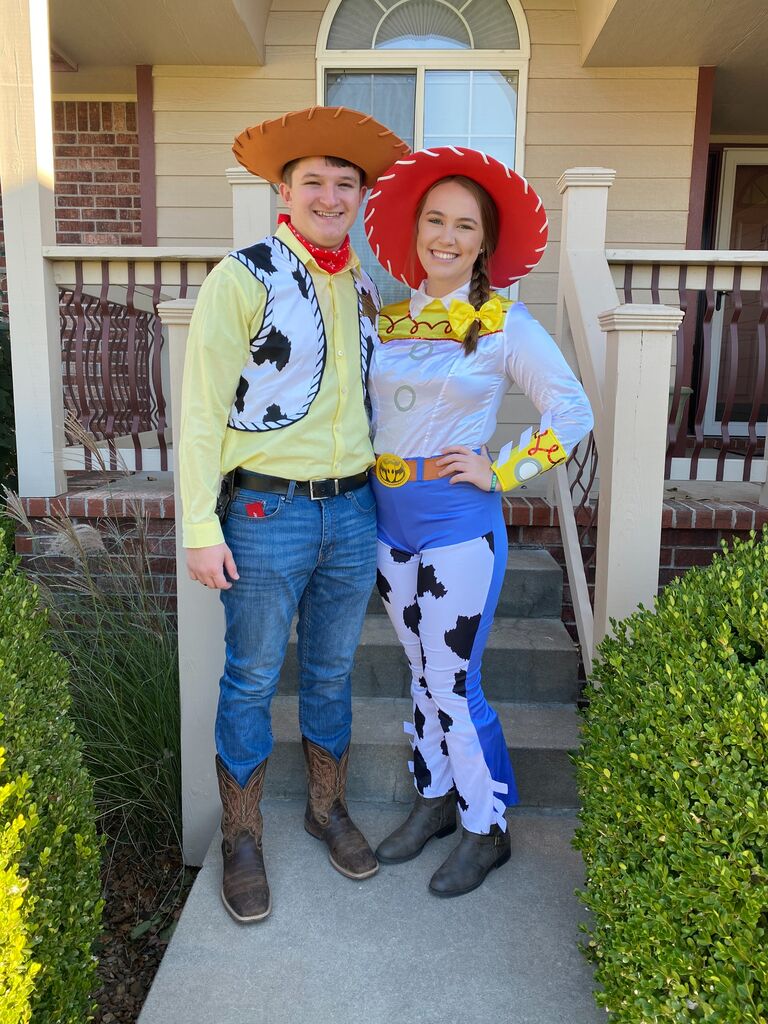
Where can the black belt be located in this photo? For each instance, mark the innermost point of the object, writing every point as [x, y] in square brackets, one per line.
[315, 489]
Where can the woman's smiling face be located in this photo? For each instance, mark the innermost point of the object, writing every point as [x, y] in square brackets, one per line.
[449, 236]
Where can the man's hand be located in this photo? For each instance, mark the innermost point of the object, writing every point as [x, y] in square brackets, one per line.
[208, 565]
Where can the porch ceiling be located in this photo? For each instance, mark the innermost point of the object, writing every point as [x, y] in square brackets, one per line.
[731, 36]
[220, 32]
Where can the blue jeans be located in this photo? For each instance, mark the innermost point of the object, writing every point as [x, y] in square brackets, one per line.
[293, 554]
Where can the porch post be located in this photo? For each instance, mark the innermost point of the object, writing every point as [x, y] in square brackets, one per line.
[201, 638]
[254, 206]
[26, 179]
[633, 445]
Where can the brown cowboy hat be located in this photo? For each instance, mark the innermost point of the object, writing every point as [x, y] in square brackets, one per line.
[266, 148]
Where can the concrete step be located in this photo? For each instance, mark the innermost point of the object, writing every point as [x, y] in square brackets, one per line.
[539, 737]
[533, 586]
[525, 660]
[384, 951]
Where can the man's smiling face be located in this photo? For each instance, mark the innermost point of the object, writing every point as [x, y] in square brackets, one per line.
[323, 200]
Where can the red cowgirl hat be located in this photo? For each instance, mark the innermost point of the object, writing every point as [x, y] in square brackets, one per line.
[390, 213]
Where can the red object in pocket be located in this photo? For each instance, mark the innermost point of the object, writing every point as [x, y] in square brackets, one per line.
[255, 510]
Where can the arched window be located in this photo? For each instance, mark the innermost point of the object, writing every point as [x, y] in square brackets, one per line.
[438, 72]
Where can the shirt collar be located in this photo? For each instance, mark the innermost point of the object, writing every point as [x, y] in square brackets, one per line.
[420, 300]
[285, 234]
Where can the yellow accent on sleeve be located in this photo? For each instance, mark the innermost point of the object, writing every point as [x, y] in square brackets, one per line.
[542, 452]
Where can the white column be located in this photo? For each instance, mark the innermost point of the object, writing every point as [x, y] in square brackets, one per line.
[585, 287]
[26, 179]
[634, 441]
[254, 207]
[201, 639]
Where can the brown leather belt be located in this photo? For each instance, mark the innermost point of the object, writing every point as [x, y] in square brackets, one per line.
[315, 489]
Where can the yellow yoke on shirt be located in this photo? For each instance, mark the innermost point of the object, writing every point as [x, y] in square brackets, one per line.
[332, 440]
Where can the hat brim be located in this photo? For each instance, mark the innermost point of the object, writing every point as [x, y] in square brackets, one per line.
[390, 214]
[266, 148]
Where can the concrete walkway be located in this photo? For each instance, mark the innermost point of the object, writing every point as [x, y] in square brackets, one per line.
[384, 951]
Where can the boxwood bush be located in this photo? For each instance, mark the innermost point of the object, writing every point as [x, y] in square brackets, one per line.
[673, 776]
[54, 855]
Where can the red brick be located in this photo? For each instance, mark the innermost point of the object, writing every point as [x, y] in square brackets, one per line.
[125, 138]
[745, 518]
[58, 505]
[106, 116]
[724, 517]
[36, 506]
[79, 202]
[58, 117]
[76, 505]
[128, 189]
[76, 150]
[81, 110]
[24, 544]
[113, 176]
[94, 116]
[95, 507]
[693, 556]
[68, 238]
[130, 116]
[676, 538]
[666, 557]
[79, 176]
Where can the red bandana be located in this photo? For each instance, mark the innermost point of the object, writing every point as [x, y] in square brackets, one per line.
[329, 260]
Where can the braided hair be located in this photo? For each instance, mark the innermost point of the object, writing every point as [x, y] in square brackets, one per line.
[479, 292]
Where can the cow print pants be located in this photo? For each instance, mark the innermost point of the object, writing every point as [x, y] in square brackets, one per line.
[441, 602]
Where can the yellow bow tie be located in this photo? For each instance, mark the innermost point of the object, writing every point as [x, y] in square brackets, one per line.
[462, 315]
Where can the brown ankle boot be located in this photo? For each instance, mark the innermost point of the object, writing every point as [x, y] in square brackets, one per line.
[430, 818]
[244, 889]
[326, 816]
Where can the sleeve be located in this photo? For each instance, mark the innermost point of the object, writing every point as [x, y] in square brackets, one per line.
[228, 313]
[536, 364]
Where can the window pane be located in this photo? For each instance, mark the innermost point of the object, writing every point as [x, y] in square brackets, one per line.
[387, 96]
[477, 109]
[423, 25]
[390, 98]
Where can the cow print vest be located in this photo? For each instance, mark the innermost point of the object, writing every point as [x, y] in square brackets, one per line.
[283, 375]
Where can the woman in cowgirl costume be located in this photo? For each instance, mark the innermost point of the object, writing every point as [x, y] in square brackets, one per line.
[451, 223]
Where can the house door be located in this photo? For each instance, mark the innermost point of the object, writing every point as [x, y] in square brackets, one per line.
[742, 225]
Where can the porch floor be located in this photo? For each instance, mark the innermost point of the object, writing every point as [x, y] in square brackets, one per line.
[384, 950]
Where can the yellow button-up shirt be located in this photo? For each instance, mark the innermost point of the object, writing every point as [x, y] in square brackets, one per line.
[332, 440]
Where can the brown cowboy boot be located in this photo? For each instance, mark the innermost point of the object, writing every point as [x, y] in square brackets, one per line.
[244, 889]
[429, 818]
[326, 816]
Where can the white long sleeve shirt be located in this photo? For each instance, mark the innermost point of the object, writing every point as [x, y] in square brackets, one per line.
[428, 396]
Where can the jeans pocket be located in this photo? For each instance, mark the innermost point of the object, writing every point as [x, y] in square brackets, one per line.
[256, 505]
[362, 499]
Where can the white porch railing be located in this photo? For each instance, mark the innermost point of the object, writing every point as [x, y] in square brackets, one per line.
[636, 361]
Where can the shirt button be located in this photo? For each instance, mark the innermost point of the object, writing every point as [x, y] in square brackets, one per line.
[343, 391]
[339, 352]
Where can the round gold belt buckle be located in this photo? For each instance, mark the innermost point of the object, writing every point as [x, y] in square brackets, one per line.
[392, 471]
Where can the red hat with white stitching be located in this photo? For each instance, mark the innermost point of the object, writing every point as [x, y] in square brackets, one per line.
[390, 213]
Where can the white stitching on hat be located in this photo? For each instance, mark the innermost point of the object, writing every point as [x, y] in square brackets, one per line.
[386, 177]
[369, 232]
[485, 159]
[389, 267]
[368, 215]
[538, 206]
[544, 226]
[428, 152]
[404, 280]
[374, 195]
[405, 162]
[377, 250]
[456, 151]
[540, 248]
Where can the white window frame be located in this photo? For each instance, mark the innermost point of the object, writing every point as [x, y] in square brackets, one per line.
[422, 61]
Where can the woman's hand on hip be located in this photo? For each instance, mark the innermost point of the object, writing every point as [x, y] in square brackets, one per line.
[465, 466]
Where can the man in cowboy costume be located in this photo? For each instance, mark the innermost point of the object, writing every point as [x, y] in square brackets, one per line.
[274, 453]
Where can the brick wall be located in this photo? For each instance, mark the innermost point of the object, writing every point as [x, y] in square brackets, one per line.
[96, 159]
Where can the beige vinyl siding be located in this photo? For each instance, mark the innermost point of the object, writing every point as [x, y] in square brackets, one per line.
[639, 121]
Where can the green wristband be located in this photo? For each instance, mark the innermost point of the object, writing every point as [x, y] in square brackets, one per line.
[494, 480]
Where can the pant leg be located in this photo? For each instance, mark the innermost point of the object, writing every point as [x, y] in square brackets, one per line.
[331, 614]
[397, 576]
[276, 552]
[458, 589]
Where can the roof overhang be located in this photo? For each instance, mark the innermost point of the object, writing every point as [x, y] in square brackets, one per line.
[732, 36]
[93, 33]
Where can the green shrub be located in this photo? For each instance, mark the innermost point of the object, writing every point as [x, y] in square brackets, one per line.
[673, 775]
[59, 857]
[113, 627]
[17, 969]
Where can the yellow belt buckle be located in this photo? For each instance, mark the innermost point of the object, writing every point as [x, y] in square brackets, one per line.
[391, 470]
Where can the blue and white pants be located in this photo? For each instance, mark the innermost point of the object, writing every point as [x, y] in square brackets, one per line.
[442, 552]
